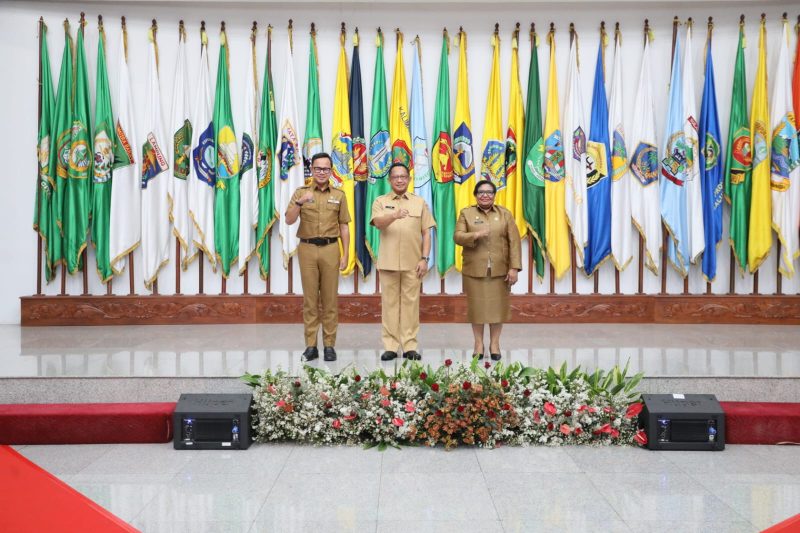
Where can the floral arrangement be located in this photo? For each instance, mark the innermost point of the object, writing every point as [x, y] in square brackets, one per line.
[456, 404]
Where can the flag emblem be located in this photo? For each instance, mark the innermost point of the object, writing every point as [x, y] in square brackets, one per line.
[675, 162]
[511, 153]
[619, 156]
[401, 153]
[204, 159]
[79, 156]
[153, 160]
[264, 167]
[288, 154]
[711, 152]
[247, 152]
[422, 160]
[554, 157]
[227, 156]
[645, 163]
[182, 150]
[534, 164]
[463, 165]
[782, 163]
[596, 163]
[103, 157]
[759, 143]
[122, 148]
[443, 152]
[379, 155]
[360, 170]
[64, 141]
[44, 160]
[578, 144]
[342, 157]
[493, 163]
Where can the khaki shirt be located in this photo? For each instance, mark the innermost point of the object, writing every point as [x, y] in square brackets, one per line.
[401, 241]
[496, 253]
[321, 218]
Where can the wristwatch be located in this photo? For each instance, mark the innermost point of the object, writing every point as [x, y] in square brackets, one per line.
[423, 258]
[298, 204]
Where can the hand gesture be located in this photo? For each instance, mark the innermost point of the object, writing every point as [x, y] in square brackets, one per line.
[422, 268]
[482, 233]
[400, 213]
[307, 197]
[511, 277]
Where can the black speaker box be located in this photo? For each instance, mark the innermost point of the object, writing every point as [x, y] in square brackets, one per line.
[212, 422]
[683, 422]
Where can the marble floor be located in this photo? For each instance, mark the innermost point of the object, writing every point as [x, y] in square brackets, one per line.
[232, 350]
[297, 488]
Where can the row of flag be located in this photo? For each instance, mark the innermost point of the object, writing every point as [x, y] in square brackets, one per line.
[574, 181]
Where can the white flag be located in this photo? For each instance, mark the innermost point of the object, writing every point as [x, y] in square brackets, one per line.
[202, 173]
[785, 166]
[621, 235]
[155, 176]
[181, 129]
[575, 137]
[289, 159]
[694, 192]
[248, 185]
[126, 193]
[644, 165]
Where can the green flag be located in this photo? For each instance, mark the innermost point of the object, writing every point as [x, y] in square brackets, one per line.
[380, 150]
[59, 151]
[738, 159]
[226, 198]
[265, 165]
[76, 202]
[103, 161]
[312, 144]
[444, 203]
[533, 188]
[45, 181]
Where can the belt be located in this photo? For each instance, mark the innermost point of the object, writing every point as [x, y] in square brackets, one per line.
[320, 241]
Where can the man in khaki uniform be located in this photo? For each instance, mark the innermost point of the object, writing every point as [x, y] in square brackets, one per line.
[404, 222]
[323, 215]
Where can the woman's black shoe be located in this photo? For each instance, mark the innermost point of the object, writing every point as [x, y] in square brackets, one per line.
[495, 356]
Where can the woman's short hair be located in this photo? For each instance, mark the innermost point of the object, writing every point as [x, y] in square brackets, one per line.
[483, 182]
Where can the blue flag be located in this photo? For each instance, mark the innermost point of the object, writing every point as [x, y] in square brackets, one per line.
[419, 142]
[710, 170]
[598, 184]
[360, 172]
[673, 172]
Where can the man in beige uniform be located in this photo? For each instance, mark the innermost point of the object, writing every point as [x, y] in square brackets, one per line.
[404, 221]
[323, 215]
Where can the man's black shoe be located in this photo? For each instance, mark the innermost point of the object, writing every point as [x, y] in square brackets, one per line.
[412, 354]
[388, 356]
[330, 353]
[310, 354]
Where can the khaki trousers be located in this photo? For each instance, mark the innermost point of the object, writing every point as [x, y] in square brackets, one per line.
[399, 310]
[319, 274]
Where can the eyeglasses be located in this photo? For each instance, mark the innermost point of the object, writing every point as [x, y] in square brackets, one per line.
[485, 193]
[321, 170]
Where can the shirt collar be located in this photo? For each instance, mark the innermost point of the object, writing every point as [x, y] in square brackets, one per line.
[317, 188]
[404, 196]
[491, 209]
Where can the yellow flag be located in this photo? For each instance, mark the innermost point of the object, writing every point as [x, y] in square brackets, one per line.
[399, 117]
[342, 151]
[759, 239]
[463, 158]
[510, 197]
[493, 160]
[557, 240]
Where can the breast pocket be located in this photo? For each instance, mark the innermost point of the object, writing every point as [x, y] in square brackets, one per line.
[415, 210]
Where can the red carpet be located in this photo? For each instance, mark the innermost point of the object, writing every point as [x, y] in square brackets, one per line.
[790, 525]
[761, 422]
[86, 423]
[32, 500]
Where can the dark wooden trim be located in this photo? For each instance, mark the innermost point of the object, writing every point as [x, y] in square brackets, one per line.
[434, 308]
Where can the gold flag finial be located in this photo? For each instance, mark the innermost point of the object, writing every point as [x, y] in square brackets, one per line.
[343, 35]
[355, 37]
[291, 44]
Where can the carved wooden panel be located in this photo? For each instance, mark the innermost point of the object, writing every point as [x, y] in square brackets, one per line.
[249, 309]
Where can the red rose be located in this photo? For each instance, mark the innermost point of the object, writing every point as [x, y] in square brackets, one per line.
[466, 385]
[565, 429]
[568, 413]
[506, 407]
[640, 438]
[337, 424]
[435, 387]
[410, 407]
[394, 385]
[448, 362]
[491, 414]
[605, 428]
[397, 422]
[379, 421]
[526, 393]
[504, 383]
[385, 402]
[550, 426]
[614, 433]
[423, 376]
[460, 408]
[607, 409]
[439, 412]
[357, 378]
[634, 409]
[550, 409]
[328, 405]
[578, 431]
[280, 403]
[297, 383]
[487, 364]
[366, 396]
[351, 416]
[536, 417]
[582, 408]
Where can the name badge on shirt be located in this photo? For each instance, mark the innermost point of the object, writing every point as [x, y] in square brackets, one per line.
[388, 207]
[478, 221]
[334, 201]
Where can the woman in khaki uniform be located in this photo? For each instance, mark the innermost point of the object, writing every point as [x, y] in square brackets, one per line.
[491, 262]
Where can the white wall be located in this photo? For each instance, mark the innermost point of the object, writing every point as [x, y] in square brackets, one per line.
[18, 64]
